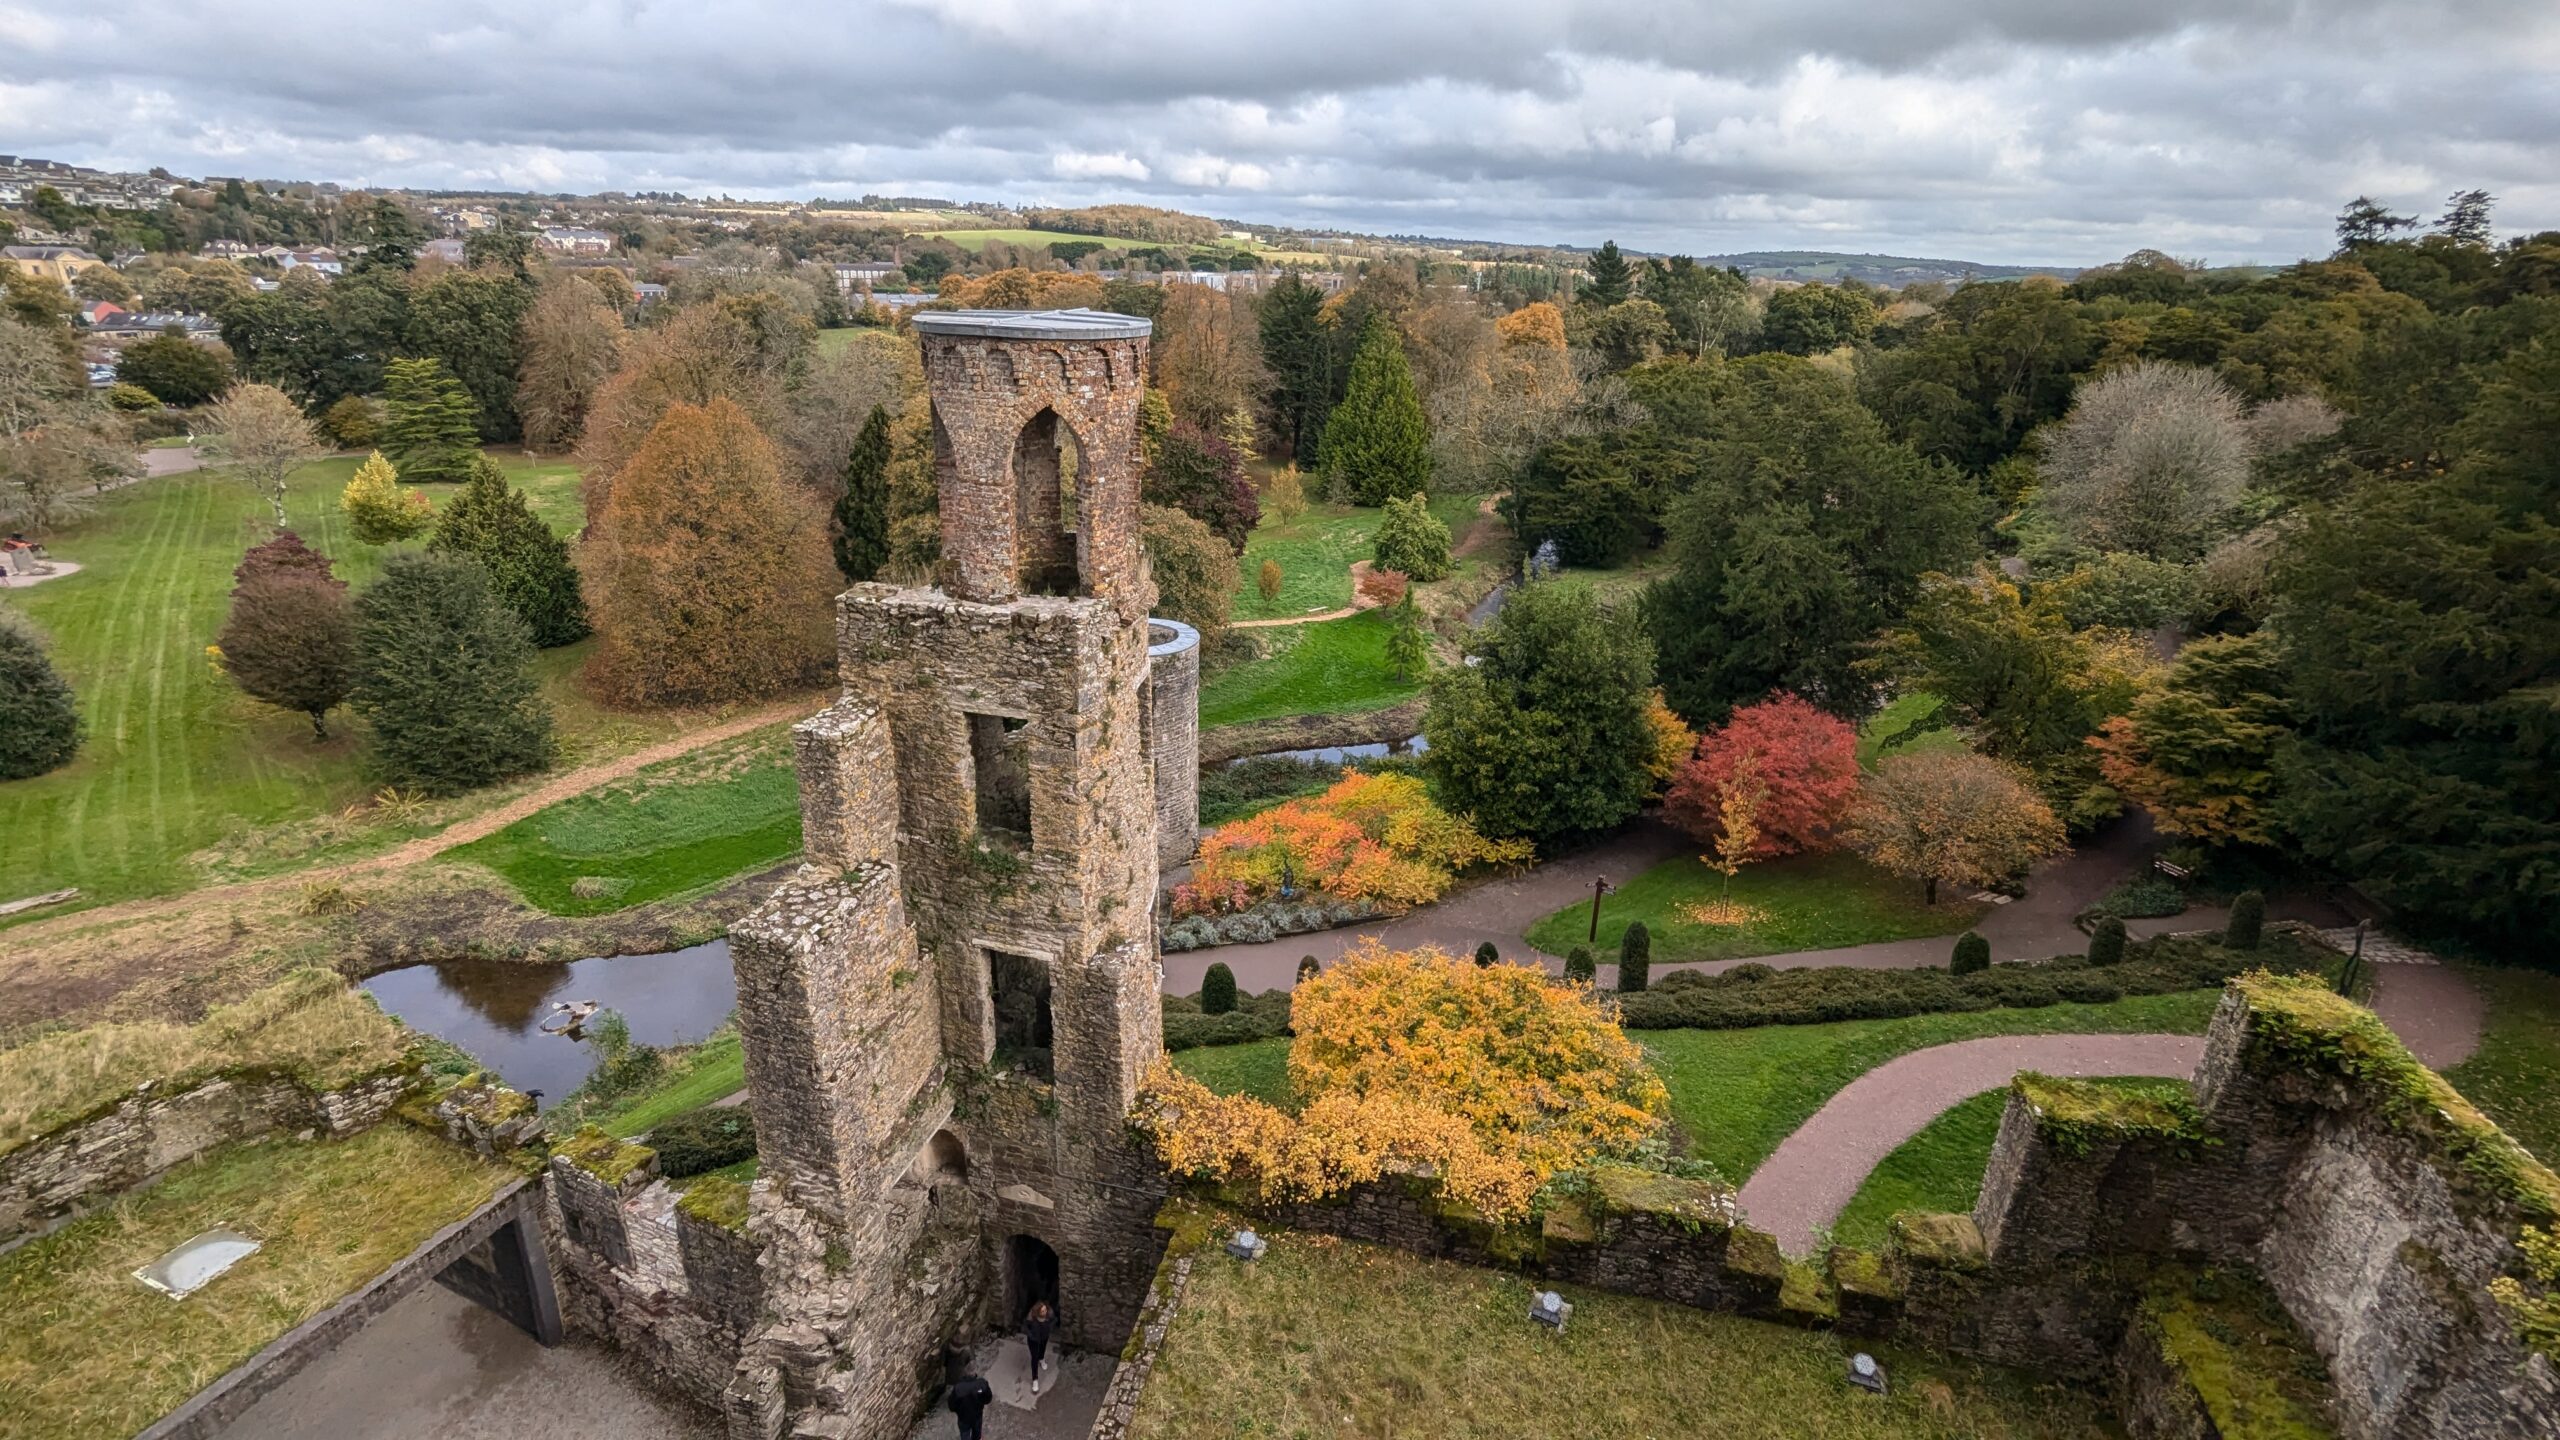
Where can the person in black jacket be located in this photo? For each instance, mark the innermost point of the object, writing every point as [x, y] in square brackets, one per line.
[970, 1396]
[1036, 1329]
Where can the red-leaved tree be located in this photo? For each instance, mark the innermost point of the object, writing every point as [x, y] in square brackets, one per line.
[1804, 762]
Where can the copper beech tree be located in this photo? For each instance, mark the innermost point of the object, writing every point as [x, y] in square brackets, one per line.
[1492, 1077]
[707, 577]
[1955, 816]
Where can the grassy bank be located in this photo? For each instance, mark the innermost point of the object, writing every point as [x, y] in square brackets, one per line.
[1322, 1337]
[1315, 552]
[90, 1351]
[1336, 667]
[1806, 902]
[2515, 1074]
[676, 828]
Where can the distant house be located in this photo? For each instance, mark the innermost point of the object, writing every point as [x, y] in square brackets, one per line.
[319, 259]
[58, 263]
[853, 276]
[575, 240]
[449, 250]
[129, 325]
[233, 250]
[99, 312]
[647, 292]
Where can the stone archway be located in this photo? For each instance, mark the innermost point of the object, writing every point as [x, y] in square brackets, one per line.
[1030, 1274]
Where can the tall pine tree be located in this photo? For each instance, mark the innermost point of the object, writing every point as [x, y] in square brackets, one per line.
[444, 674]
[432, 428]
[1298, 355]
[39, 725]
[862, 512]
[1377, 446]
[1613, 279]
[491, 523]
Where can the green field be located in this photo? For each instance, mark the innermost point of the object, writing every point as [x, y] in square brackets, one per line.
[1315, 552]
[1808, 902]
[1322, 1337]
[1941, 1167]
[176, 761]
[1335, 667]
[1737, 1093]
[675, 829]
[1888, 731]
[2515, 1075]
[976, 240]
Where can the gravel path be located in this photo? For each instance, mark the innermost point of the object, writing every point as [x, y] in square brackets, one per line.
[1816, 1171]
[2434, 1009]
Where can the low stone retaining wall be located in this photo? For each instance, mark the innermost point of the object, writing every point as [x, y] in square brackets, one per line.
[1120, 1397]
[148, 1132]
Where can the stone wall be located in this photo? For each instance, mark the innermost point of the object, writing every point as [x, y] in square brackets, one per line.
[1129, 1381]
[148, 1132]
[1173, 736]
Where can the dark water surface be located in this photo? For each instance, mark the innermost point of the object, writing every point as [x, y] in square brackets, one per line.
[494, 1009]
[1341, 754]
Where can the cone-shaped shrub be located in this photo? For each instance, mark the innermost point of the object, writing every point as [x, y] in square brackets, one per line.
[1309, 967]
[1218, 990]
[2248, 919]
[1972, 953]
[39, 724]
[491, 522]
[1486, 954]
[1578, 966]
[1635, 959]
[2106, 942]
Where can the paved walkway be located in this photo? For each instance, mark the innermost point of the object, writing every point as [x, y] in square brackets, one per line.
[2434, 1009]
[1814, 1172]
[1071, 1387]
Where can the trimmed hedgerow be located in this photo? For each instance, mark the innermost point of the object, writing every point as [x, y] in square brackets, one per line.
[703, 1140]
[1749, 995]
[1256, 1017]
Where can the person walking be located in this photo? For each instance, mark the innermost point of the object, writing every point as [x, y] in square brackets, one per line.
[970, 1396]
[1036, 1329]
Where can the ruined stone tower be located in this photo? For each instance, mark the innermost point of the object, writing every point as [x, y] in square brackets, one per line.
[948, 1010]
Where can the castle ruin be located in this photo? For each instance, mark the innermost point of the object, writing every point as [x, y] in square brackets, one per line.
[948, 1010]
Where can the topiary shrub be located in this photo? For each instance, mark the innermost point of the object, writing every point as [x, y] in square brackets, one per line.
[2106, 941]
[1309, 968]
[1579, 967]
[704, 1139]
[1218, 990]
[1635, 958]
[1973, 955]
[2248, 921]
[1486, 954]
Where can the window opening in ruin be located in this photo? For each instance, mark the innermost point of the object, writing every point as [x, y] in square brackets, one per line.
[1046, 460]
[1000, 755]
[1030, 1273]
[1018, 992]
[945, 1158]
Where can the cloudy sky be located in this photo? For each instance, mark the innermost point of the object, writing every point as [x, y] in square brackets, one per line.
[1997, 130]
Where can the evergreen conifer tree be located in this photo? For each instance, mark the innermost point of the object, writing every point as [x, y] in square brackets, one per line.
[378, 510]
[1613, 279]
[1488, 954]
[1635, 958]
[1218, 990]
[1298, 354]
[1408, 649]
[444, 674]
[39, 724]
[432, 428]
[491, 522]
[1412, 541]
[862, 512]
[1579, 966]
[2106, 940]
[1376, 442]
[1973, 953]
[2248, 921]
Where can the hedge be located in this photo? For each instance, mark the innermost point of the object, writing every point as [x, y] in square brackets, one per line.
[703, 1140]
[1256, 1017]
[1749, 995]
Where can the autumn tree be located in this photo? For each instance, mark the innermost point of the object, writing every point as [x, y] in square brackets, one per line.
[260, 434]
[1195, 572]
[176, 369]
[1204, 353]
[1737, 830]
[1199, 474]
[1412, 541]
[1284, 495]
[2148, 460]
[1267, 581]
[861, 529]
[825, 409]
[571, 342]
[1376, 442]
[444, 676]
[378, 510]
[290, 639]
[708, 577]
[701, 354]
[39, 721]
[1952, 816]
[1804, 761]
[491, 522]
[2199, 751]
[430, 426]
[281, 553]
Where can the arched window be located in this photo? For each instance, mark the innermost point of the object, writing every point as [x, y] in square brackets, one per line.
[1046, 466]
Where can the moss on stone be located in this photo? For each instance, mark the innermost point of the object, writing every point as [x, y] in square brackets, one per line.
[1755, 1252]
[2228, 1338]
[2076, 1117]
[603, 1156]
[1691, 1204]
[1569, 1221]
[1189, 1225]
[1859, 1272]
[1948, 1242]
[1805, 1295]
[716, 1200]
[2295, 1022]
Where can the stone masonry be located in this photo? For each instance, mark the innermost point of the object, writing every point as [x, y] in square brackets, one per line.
[948, 1010]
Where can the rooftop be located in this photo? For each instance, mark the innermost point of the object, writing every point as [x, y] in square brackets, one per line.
[1035, 324]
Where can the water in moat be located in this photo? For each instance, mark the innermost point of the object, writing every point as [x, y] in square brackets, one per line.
[1341, 754]
[495, 1009]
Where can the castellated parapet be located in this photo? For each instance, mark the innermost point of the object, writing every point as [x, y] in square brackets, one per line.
[947, 1012]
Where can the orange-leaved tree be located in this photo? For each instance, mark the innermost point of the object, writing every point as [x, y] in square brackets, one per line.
[707, 577]
[1805, 761]
[1489, 1076]
[1955, 816]
[1369, 837]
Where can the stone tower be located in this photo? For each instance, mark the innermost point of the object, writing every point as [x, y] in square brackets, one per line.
[948, 1010]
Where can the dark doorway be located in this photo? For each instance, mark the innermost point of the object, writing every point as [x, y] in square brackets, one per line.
[1018, 990]
[1000, 755]
[1030, 1273]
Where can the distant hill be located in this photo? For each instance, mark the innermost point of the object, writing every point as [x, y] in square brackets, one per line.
[1894, 270]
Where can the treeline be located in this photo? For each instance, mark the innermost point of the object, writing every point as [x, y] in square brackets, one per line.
[1127, 222]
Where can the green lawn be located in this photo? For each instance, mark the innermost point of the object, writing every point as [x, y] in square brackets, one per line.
[175, 759]
[2515, 1076]
[1326, 1338]
[1887, 727]
[1941, 1167]
[1315, 552]
[1336, 667]
[1810, 902]
[90, 1351]
[715, 1068]
[1737, 1093]
[676, 828]
[975, 240]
